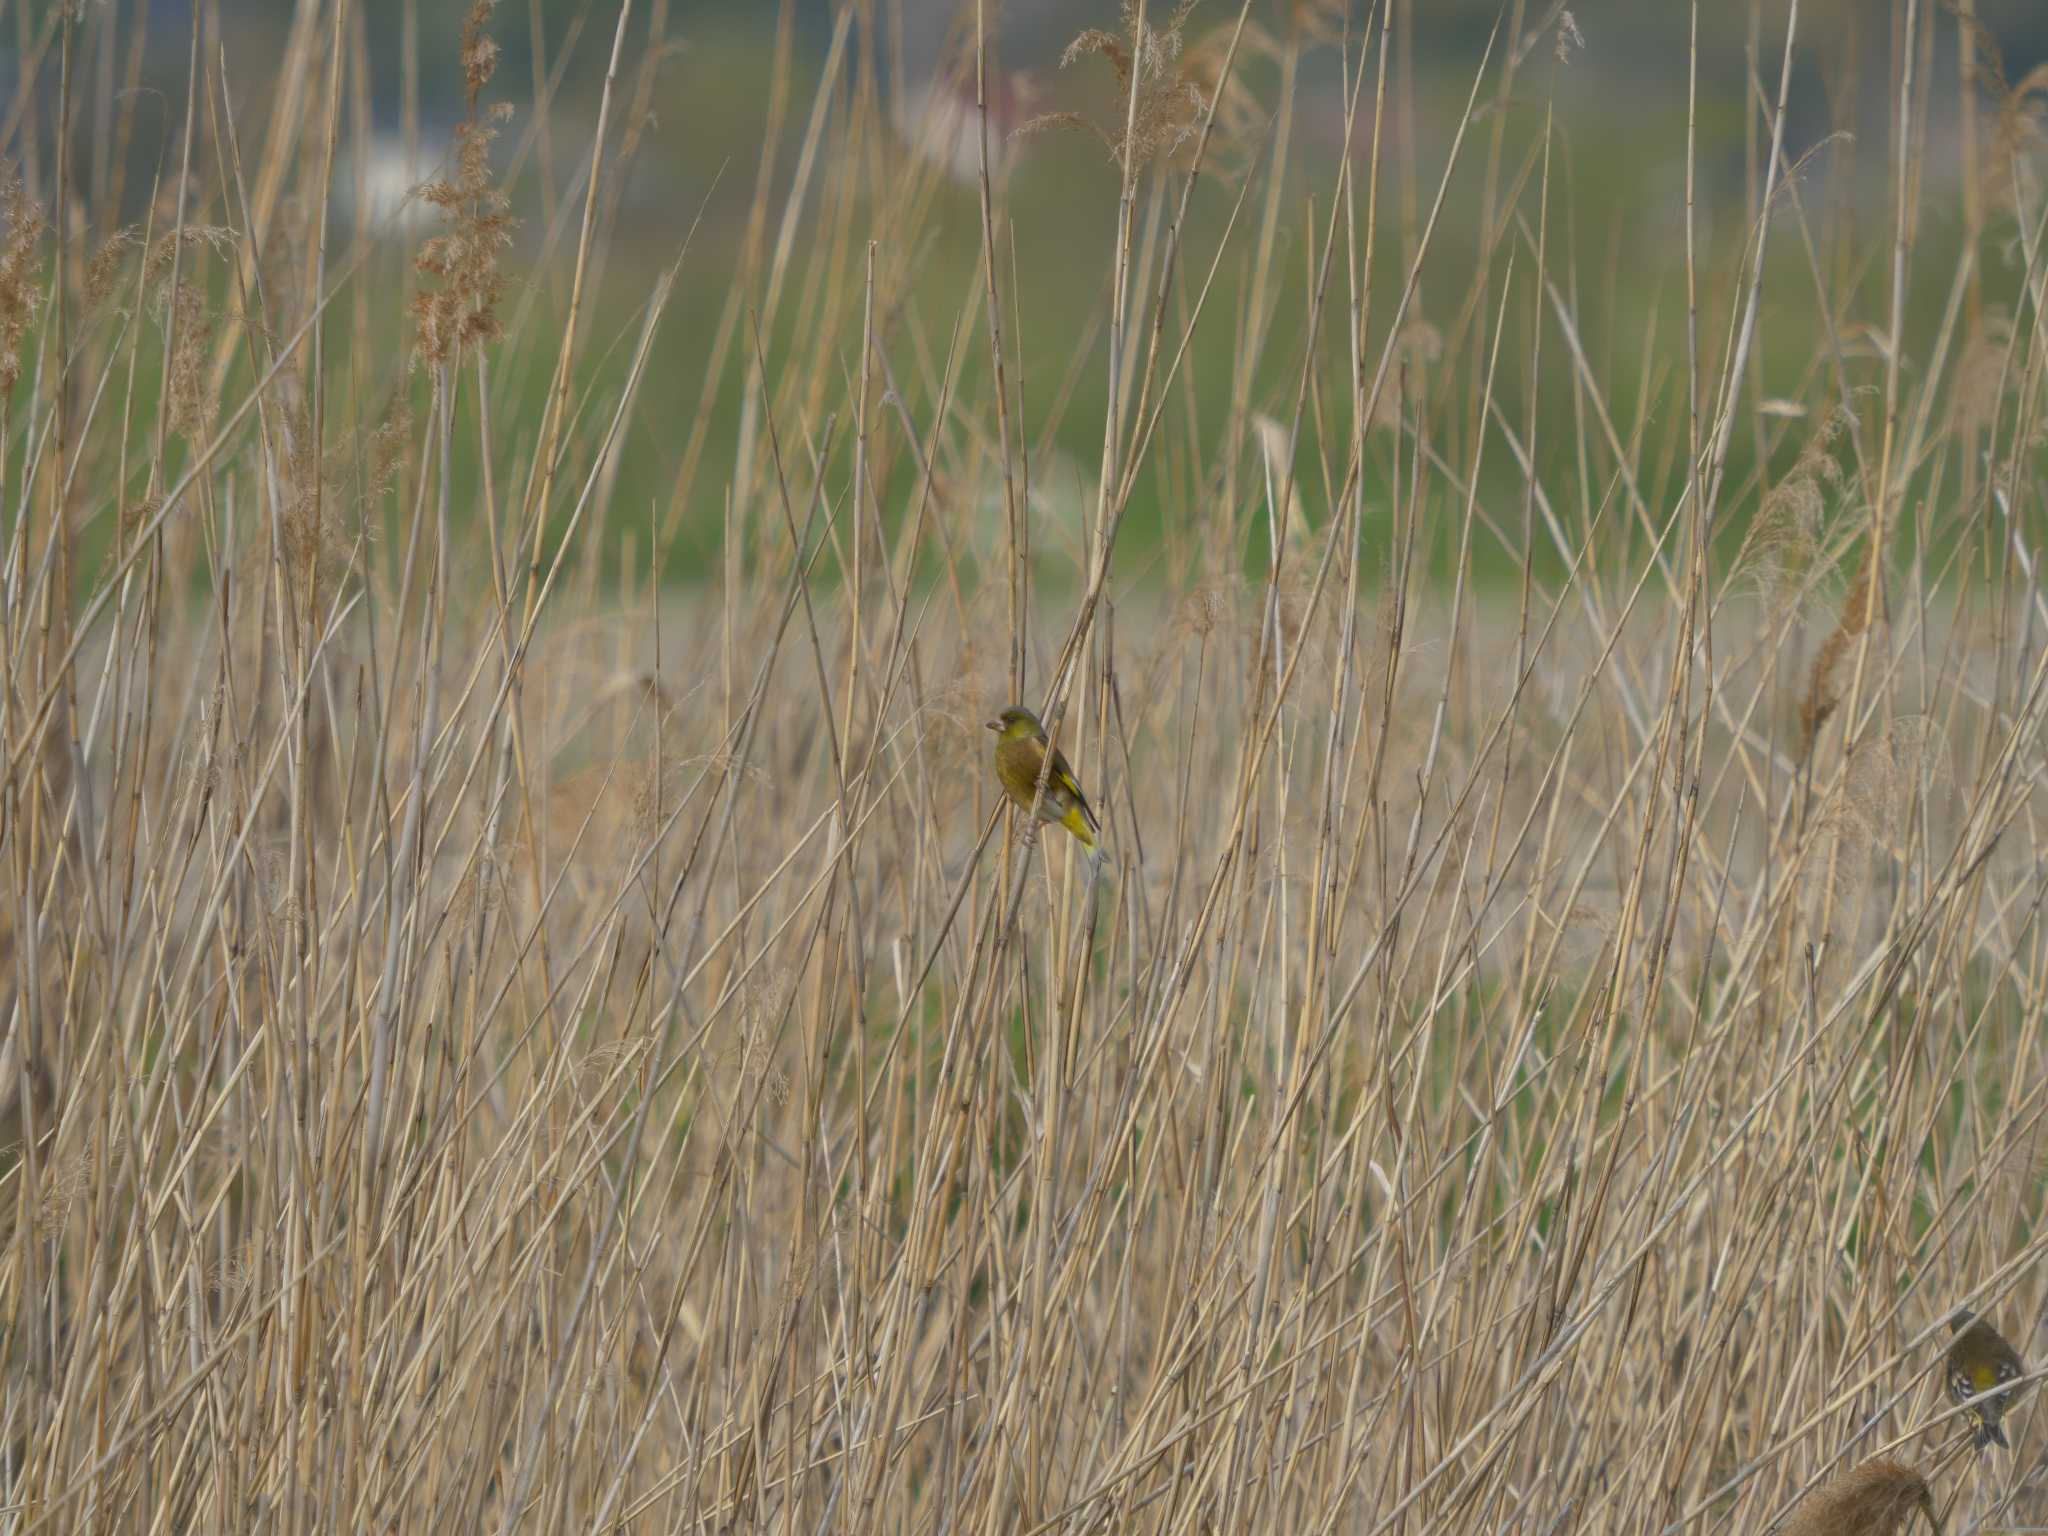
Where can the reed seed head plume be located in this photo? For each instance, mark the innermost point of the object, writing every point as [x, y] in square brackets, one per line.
[479, 55]
[478, 891]
[1148, 59]
[1825, 683]
[457, 305]
[163, 256]
[316, 542]
[190, 320]
[1894, 775]
[1783, 552]
[1415, 351]
[231, 1278]
[1878, 1498]
[103, 272]
[1319, 21]
[140, 513]
[1240, 117]
[19, 297]
[1567, 39]
[2009, 171]
[1209, 609]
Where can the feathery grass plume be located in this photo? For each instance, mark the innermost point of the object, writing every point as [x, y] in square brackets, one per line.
[311, 542]
[1319, 21]
[949, 731]
[1207, 609]
[190, 322]
[1569, 39]
[103, 271]
[194, 238]
[601, 1063]
[2019, 130]
[185, 310]
[286, 273]
[390, 456]
[1980, 371]
[328, 501]
[1889, 771]
[310, 536]
[217, 755]
[282, 907]
[139, 514]
[1316, 632]
[1781, 554]
[1823, 687]
[1170, 101]
[583, 1100]
[1876, 1499]
[62, 1183]
[230, 1278]
[658, 783]
[1419, 346]
[1240, 117]
[457, 306]
[1835, 875]
[479, 52]
[478, 890]
[749, 1051]
[1871, 810]
[328, 514]
[19, 297]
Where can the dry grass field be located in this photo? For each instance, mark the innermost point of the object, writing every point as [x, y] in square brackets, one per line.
[500, 1039]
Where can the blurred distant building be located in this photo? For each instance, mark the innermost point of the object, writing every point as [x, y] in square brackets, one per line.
[377, 191]
[939, 119]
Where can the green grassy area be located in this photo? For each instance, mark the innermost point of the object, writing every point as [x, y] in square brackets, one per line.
[1615, 253]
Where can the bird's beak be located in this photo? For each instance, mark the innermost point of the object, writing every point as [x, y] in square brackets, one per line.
[991, 725]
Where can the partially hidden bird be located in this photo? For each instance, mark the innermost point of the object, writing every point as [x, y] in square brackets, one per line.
[1980, 1361]
[1020, 758]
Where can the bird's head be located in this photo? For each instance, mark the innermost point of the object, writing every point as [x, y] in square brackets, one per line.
[1961, 1318]
[1013, 723]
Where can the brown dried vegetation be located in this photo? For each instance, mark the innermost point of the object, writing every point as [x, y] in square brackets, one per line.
[500, 1049]
[1160, 103]
[1879, 1498]
[19, 258]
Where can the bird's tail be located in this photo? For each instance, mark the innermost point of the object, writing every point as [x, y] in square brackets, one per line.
[1076, 822]
[1991, 1434]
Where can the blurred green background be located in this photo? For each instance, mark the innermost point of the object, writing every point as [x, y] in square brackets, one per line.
[1616, 215]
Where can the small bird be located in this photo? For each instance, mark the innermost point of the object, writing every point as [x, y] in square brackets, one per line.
[1980, 1361]
[1020, 757]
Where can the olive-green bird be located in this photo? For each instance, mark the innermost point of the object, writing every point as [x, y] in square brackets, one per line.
[1979, 1361]
[1020, 757]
